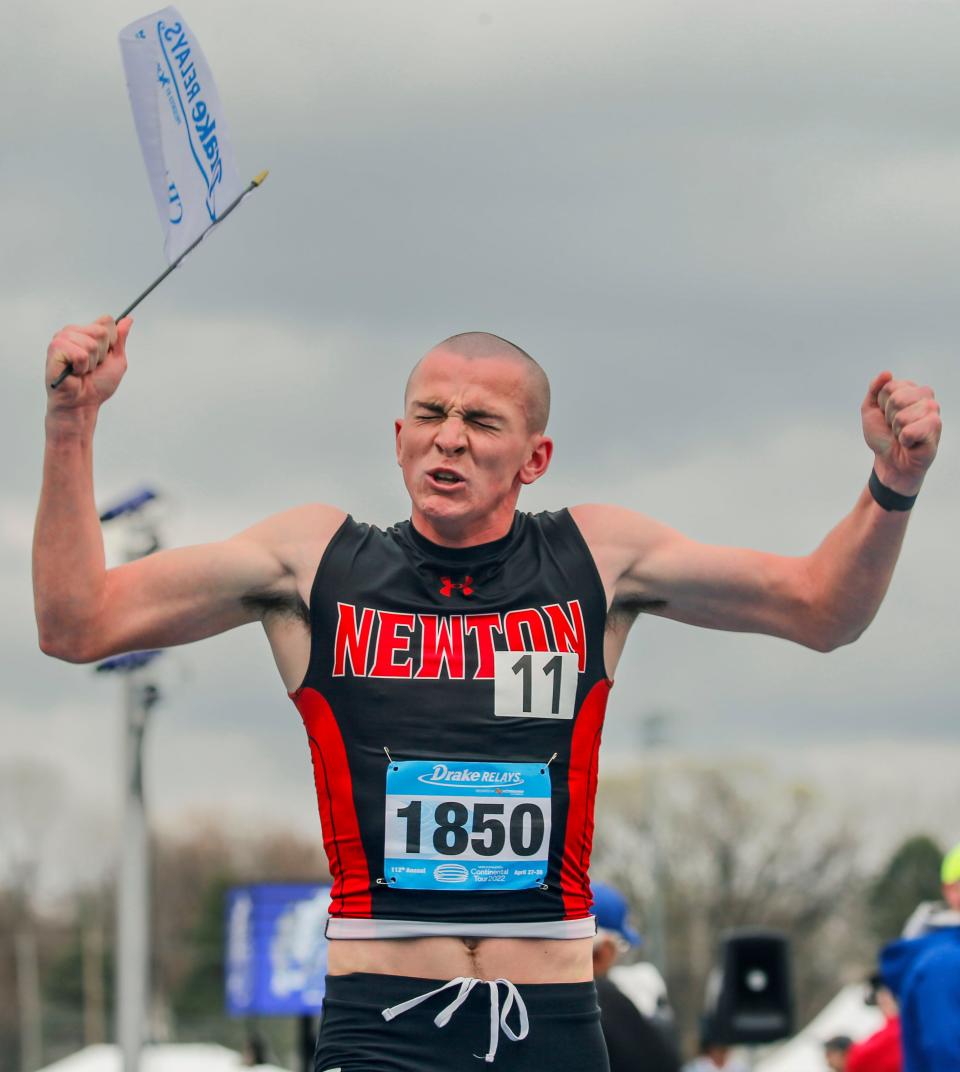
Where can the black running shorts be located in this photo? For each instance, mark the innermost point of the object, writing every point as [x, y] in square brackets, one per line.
[543, 1027]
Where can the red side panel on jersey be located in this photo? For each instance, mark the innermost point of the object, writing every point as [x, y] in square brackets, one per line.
[582, 787]
[338, 816]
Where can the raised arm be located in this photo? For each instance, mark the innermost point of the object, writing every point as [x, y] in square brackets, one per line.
[84, 611]
[823, 599]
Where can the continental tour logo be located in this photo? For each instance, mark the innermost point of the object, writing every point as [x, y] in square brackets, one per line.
[182, 86]
[379, 643]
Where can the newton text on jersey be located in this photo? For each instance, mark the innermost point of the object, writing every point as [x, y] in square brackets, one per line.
[386, 644]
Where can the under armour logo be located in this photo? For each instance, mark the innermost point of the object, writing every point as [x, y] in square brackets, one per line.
[448, 586]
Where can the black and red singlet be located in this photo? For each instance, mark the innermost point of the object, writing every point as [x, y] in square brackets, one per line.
[454, 702]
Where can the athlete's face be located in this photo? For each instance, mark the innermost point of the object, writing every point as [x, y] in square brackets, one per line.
[465, 446]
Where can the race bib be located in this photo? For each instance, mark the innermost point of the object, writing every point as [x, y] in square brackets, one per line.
[466, 825]
[534, 684]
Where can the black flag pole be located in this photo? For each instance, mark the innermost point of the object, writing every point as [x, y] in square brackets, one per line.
[254, 183]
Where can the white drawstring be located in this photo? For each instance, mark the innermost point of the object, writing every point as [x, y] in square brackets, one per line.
[513, 995]
[498, 1018]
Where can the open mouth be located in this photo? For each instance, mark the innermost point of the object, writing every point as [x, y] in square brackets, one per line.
[445, 478]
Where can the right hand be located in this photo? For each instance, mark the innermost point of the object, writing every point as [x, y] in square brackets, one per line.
[97, 353]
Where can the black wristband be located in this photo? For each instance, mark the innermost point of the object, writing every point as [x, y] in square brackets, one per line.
[887, 497]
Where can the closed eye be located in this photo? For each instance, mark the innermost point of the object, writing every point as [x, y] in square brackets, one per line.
[483, 419]
[430, 412]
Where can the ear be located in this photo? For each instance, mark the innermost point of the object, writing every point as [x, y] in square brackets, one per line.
[397, 429]
[605, 954]
[538, 460]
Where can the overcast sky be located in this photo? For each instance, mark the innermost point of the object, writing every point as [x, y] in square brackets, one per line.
[712, 222]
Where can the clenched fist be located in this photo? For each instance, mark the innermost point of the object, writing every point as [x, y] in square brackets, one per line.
[901, 424]
[97, 355]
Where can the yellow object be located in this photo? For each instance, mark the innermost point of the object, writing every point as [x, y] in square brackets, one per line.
[950, 870]
[257, 179]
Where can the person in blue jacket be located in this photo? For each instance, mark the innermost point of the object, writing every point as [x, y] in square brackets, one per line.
[924, 973]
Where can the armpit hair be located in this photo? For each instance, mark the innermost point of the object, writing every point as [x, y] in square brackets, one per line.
[269, 603]
[625, 609]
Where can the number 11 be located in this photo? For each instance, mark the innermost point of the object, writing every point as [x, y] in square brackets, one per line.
[524, 665]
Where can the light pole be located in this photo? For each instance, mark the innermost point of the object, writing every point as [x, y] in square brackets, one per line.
[140, 695]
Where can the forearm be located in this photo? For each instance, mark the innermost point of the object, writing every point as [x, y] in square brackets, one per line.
[68, 557]
[851, 569]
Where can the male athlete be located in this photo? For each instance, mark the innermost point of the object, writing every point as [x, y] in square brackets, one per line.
[451, 673]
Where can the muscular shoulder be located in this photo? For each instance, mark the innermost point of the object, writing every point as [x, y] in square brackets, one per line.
[295, 540]
[619, 539]
[298, 531]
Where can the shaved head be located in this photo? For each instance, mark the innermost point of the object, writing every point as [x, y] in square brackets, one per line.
[480, 345]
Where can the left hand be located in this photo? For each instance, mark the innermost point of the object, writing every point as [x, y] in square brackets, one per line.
[901, 424]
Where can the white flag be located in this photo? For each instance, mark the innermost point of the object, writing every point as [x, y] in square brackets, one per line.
[180, 124]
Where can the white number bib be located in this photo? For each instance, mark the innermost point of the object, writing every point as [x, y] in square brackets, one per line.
[466, 825]
[534, 684]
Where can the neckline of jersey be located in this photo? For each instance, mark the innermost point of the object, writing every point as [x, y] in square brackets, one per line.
[480, 552]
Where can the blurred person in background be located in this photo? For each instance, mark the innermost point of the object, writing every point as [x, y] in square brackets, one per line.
[835, 1052]
[634, 1042]
[881, 1051]
[932, 915]
[924, 974]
